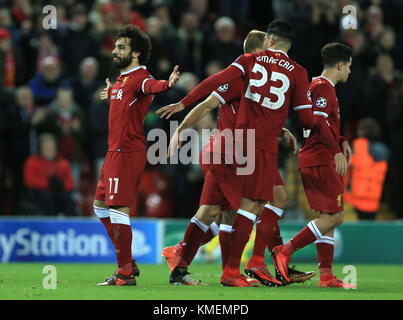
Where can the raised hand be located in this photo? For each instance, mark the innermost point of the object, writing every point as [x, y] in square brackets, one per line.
[104, 93]
[174, 77]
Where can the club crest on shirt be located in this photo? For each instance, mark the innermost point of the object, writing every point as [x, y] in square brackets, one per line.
[321, 102]
[223, 88]
[124, 81]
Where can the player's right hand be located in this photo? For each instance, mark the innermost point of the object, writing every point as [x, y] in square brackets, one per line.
[341, 163]
[170, 109]
[104, 93]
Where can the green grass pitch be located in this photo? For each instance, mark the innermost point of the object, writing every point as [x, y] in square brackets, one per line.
[24, 281]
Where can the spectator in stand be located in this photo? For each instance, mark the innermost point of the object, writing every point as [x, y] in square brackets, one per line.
[379, 89]
[86, 83]
[223, 46]
[386, 43]
[71, 130]
[188, 44]
[49, 178]
[374, 22]
[159, 65]
[98, 131]
[46, 82]
[19, 141]
[64, 119]
[394, 116]
[130, 16]
[77, 41]
[367, 172]
[162, 12]
[10, 66]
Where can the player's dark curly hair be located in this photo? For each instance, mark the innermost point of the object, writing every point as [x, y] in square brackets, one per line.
[139, 41]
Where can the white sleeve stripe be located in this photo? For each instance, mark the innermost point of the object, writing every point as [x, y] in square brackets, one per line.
[215, 94]
[233, 109]
[236, 64]
[305, 106]
[320, 113]
[142, 85]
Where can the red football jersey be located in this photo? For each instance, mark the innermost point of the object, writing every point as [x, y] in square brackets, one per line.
[322, 142]
[273, 82]
[130, 100]
[229, 96]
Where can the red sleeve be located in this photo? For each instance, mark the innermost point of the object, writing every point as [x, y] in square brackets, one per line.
[152, 86]
[34, 175]
[208, 85]
[320, 97]
[301, 100]
[229, 92]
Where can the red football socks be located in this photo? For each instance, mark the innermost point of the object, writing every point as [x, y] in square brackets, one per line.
[194, 237]
[306, 236]
[109, 228]
[225, 242]
[265, 229]
[325, 250]
[241, 230]
[276, 240]
[123, 246]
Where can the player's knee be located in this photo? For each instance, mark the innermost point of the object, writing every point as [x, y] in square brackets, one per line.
[280, 198]
[207, 214]
[99, 203]
[228, 217]
[339, 218]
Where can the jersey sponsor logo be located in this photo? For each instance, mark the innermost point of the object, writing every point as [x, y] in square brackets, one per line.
[119, 94]
[321, 102]
[223, 88]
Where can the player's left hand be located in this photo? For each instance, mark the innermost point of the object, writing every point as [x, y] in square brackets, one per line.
[290, 139]
[345, 147]
[174, 77]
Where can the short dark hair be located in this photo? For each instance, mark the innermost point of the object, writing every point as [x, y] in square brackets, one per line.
[282, 30]
[253, 40]
[335, 52]
[139, 41]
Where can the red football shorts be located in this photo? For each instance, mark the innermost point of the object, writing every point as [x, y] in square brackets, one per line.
[221, 184]
[323, 188]
[259, 185]
[119, 177]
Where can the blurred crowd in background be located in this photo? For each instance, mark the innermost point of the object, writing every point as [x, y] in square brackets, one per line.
[54, 128]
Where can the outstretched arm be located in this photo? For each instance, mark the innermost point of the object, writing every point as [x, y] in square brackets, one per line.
[152, 86]
[228, 75]
[194, 116]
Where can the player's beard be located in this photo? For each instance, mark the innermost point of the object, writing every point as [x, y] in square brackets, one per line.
[123, 62]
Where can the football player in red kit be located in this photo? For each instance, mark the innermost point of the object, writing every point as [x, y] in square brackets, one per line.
[271, 83]
[322, 162]
[130, 99]
[227, 97]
